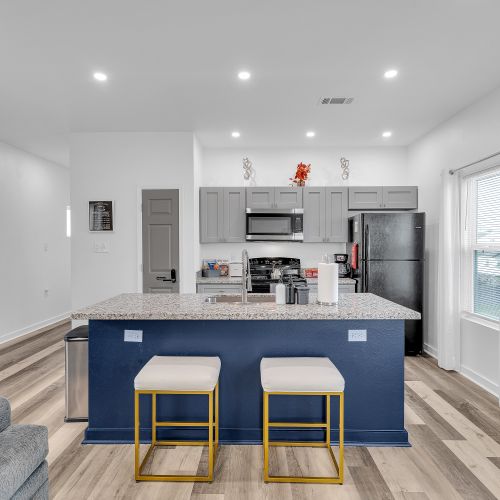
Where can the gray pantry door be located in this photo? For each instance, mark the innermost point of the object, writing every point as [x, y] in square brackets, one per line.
[160, 241]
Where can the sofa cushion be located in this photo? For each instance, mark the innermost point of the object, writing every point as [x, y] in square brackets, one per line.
[37, 485]
[24, 448]
[4, 414]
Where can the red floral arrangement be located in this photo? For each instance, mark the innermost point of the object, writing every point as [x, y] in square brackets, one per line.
[301, 174]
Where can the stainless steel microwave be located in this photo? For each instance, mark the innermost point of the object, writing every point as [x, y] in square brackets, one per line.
[275, 224]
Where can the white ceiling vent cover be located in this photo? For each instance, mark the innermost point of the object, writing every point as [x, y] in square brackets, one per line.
[335, 100]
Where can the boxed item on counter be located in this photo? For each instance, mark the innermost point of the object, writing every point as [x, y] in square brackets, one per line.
[224, 267]
[210, 268]
[311, 272]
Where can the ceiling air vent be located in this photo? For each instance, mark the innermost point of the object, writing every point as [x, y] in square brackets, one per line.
[335, 100]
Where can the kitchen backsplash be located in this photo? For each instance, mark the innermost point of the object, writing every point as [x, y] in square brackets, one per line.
[310, 254]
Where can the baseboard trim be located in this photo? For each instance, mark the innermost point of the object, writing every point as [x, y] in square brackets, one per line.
[353, 437]
[10, 338]
[430, 350]
[477, 378]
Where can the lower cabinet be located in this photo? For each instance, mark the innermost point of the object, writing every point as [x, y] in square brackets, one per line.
[215, 288]
[313, 288]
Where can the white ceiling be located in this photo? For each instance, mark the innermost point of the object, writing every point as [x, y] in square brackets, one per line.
[172, 67]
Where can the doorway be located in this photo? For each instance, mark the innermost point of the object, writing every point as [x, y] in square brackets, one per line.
[160, 241]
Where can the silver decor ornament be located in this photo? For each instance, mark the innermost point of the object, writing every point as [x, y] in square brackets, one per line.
[247, 168]
[344, 165]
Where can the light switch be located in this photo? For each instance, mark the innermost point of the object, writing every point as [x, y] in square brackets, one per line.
[133, 336]
[357, 335]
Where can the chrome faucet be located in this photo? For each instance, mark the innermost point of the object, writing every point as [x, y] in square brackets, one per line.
[246, 277]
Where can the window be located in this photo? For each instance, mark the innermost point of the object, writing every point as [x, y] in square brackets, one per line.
[482, 245]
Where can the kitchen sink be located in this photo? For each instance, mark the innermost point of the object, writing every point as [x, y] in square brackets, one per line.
[236, 299]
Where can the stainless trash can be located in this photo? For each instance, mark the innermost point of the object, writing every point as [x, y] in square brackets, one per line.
[77, 374]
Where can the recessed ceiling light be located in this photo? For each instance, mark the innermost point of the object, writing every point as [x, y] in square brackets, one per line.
[100, 77]
[387, 134]
[310, 134]
[391, 73]
[235, 134]
[244, 75]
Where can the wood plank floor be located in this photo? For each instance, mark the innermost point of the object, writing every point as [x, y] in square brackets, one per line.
[454, 428]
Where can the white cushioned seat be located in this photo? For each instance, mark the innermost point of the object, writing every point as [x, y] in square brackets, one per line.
[300, 375]
[178, 373]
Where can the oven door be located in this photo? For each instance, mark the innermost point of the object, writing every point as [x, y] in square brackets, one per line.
[274, 225]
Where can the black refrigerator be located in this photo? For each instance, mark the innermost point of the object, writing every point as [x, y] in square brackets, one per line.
[390, 263]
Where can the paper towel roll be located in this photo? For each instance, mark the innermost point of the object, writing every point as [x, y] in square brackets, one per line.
[328, 283]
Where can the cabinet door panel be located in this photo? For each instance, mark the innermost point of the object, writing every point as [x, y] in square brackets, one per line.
[211, 215]
[314, 214]
[288, 197]
[336, 214]
[260, 197]
[365, 198]
[400, 197]
[234, 215]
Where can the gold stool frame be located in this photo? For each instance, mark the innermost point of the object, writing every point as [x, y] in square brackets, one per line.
[213, 435]
[339, 467]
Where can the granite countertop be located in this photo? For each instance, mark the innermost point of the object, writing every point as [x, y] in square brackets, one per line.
[237, 280]
[193, 307]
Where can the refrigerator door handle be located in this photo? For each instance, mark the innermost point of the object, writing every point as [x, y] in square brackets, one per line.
[365, 277]
[366, 243]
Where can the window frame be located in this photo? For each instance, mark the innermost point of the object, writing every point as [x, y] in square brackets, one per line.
[470, 245]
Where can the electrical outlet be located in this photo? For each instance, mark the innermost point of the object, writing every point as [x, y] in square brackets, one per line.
[133, 336]
[357, 335]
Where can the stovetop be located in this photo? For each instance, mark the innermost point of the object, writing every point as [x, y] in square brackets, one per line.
[261, 270]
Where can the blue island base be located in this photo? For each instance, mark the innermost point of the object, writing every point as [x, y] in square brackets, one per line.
[373, 371]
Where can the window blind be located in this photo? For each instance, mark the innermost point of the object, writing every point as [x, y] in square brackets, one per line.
[486, 247]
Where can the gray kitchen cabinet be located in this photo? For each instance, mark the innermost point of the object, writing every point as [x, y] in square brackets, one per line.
[218, 289]
[288, 197]
[260, 197]
[400, 197]
[365, 198]
[343, 288]
[234, 215]
[325, 214]
[274, 197]
[222, 215]
[336, 214]
[211, 214]
[314, 214]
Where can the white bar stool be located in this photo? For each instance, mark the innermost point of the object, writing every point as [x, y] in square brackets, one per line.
[184, 375]
[303, 377]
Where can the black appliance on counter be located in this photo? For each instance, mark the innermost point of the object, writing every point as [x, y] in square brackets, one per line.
[342, 259]
[386, 252]
[266, 271]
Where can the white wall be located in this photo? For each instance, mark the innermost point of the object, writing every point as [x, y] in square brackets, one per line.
[114, 166]
[274, 167]
[468, 136]
[34, 250]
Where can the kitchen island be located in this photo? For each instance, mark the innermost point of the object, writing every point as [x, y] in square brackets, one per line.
[187, 325]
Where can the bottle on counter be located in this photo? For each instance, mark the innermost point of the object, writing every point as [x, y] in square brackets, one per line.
[290, 292]
[280, 294]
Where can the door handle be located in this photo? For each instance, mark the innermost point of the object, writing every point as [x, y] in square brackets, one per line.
[172, 279]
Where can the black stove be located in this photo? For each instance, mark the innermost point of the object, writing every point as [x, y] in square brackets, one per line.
[268, 270]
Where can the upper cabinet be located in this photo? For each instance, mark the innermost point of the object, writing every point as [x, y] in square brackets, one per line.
[383, 197]
[222, 215]
[365, 198]
[274, 197]
[211, 214]
[400, 197]
[325, 214]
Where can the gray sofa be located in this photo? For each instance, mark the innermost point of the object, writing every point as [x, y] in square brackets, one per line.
[24, 473]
